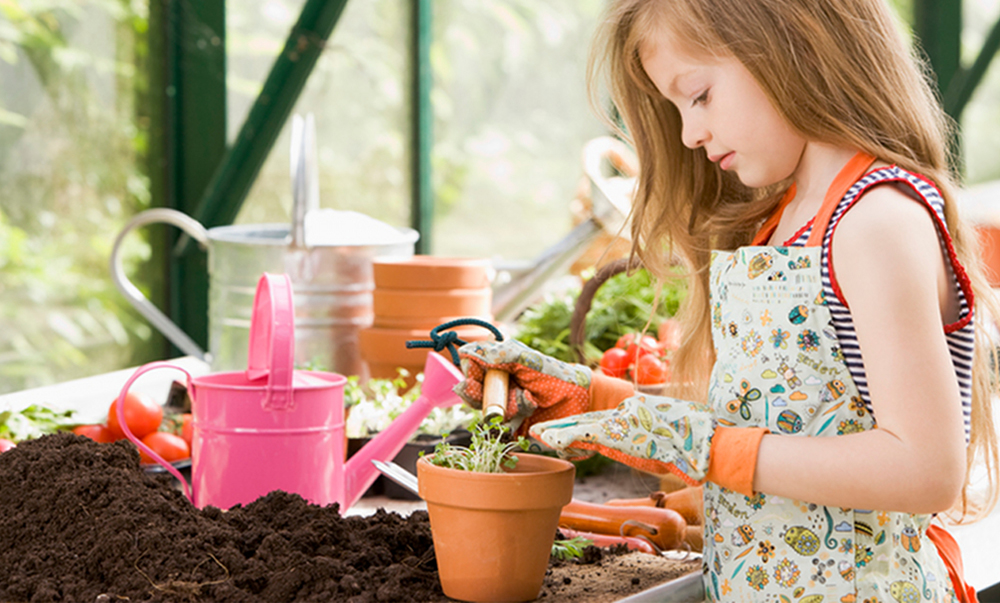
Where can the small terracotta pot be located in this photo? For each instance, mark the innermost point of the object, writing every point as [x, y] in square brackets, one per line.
[424, 323]
[432, 272]
[388, 346]
[422, 303]
[493, 532]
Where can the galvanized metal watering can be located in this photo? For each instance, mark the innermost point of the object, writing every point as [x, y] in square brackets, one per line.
[271, 427]
[333, 275]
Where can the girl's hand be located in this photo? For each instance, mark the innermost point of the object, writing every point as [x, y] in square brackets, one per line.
[661, 435]
[651, 433]
[541, 387]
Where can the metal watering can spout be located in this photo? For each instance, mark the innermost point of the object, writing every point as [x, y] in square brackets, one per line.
[440, 376]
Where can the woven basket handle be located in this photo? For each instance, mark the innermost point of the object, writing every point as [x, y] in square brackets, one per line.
[578, 322]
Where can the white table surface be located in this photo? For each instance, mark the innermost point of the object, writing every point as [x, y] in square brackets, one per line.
[91, 396]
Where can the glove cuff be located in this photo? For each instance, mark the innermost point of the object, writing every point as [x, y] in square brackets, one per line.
[733, 458]
[607, 392]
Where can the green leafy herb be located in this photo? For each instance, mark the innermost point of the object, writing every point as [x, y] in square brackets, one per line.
[570, 549]
[622, 304]
[489, 451]
[33, 422]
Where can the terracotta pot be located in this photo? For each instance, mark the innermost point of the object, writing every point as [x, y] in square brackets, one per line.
[424, 323]
[390, 370]
[432, 272]
[388, 346]
[431, 302]
[493, 532]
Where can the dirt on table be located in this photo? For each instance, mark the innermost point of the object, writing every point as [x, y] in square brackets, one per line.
[81, 521]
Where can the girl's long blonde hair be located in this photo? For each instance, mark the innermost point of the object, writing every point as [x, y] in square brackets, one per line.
[840, 72]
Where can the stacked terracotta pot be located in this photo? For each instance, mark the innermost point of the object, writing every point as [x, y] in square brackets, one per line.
[415, 294]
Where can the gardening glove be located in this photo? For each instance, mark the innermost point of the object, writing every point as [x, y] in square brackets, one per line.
[541, 387]
[660, 435]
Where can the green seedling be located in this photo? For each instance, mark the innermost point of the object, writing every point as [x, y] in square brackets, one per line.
[489, 452]
[570, 549]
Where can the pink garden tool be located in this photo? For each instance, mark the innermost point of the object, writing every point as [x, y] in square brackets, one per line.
[275, 428]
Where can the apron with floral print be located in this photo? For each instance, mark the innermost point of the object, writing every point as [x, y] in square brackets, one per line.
[779, 366]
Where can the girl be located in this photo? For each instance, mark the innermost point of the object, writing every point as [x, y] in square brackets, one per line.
[794, 157]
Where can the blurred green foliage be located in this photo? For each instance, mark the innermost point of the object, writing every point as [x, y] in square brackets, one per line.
[622, 304]
[72, 146]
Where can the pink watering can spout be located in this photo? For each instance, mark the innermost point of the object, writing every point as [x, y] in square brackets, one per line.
[440, 376]
[272, 427]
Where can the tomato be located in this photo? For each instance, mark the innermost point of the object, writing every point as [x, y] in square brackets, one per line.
[6, 445]
[167, 445]
[625, 340]
[645, 346]
[615, 363]
[187, 428]
[142, 416]
[649, 370]
[98, 433]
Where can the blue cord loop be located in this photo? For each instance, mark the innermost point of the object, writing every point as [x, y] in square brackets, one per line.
[439, 341]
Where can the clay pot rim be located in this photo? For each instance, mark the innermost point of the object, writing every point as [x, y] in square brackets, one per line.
[419, 322]
[548, 483]
[557, 466]
[419, 333]
[432, 272]
[470, 292]
[431, 260]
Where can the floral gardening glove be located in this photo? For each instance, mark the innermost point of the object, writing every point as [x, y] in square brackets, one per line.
[660, 435]
[541, 387]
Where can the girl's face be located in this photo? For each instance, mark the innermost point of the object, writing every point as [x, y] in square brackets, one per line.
[724, 110]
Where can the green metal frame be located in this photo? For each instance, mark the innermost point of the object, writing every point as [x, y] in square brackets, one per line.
[241, 164]
[191, 81]
[422, 135]
[192, 169]
[938, 25]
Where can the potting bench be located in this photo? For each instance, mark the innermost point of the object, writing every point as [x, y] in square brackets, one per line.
[91, 396]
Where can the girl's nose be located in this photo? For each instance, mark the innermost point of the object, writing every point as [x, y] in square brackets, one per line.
[694, 134]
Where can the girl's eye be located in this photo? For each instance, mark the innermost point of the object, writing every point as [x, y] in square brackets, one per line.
[701, 98]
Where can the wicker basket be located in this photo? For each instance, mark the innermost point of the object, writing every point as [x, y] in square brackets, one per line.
[577, 334]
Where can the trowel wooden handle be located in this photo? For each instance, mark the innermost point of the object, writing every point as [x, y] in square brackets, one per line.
[495, 385]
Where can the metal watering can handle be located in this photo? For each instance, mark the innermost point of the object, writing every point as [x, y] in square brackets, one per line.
[120, 411]
[132, 293]
[272, 340]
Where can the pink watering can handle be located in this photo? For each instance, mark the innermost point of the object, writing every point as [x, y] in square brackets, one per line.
[272, 340]
[120, 411]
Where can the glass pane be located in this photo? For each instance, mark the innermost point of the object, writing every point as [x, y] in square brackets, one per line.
[358, 93]
[981, 145]
[510, 105]
[512, 118]
[71, 172]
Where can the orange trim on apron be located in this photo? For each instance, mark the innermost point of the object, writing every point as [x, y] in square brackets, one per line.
[852, 171]
[951, 555]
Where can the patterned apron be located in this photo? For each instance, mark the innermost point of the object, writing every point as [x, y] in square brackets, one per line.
[779, 365]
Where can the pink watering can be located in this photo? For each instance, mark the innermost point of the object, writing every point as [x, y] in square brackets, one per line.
[271, 427]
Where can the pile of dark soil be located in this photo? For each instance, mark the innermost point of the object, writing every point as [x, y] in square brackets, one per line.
[80, 521]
